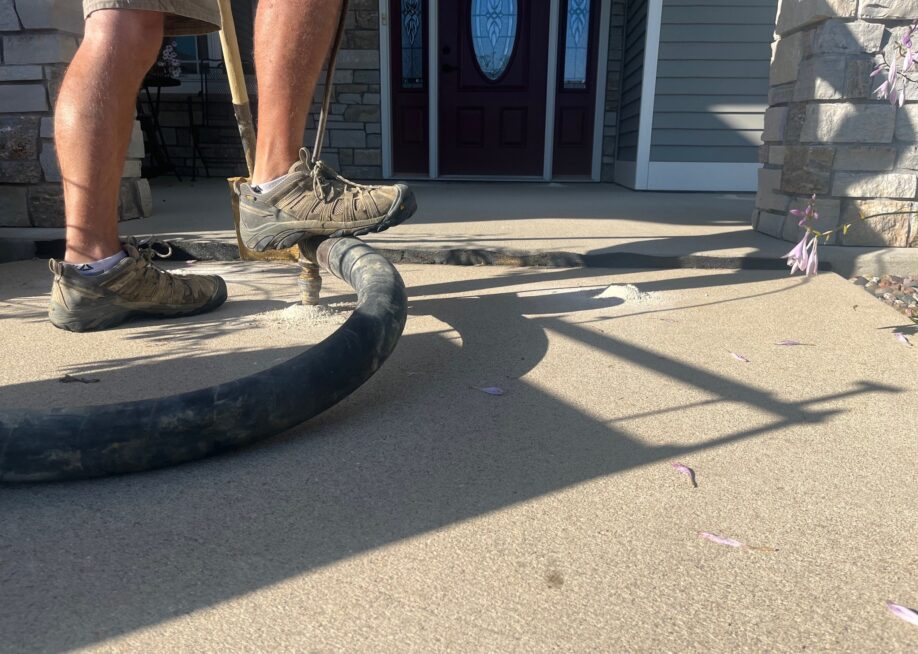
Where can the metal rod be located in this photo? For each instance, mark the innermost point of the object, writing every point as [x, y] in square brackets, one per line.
[329, 82]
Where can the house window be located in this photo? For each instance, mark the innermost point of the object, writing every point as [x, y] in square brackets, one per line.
[190, 50]
[412, 44]
[576, 44]
[494, 35]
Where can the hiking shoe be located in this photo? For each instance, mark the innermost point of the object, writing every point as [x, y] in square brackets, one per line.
[314, 200]
[134, 287]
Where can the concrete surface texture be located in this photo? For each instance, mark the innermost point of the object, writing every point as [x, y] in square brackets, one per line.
[262, 325]
[525, 217]
[424, 515]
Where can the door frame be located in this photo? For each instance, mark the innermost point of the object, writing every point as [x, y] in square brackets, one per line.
[385, 53]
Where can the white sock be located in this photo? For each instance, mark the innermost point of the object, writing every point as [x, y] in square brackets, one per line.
[267, 186]
[100, 266]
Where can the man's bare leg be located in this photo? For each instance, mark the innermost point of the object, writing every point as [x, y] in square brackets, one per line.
[93, 122]
[292, 39]
[92, 129]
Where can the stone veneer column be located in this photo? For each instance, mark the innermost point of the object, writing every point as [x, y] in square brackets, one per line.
[39, 38]
[824, 134]
[354, 132]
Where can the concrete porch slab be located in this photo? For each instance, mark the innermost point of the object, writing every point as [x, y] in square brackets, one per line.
[598, 225]
[424, 515]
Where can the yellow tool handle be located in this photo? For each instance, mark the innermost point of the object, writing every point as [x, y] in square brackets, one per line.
[236, 77]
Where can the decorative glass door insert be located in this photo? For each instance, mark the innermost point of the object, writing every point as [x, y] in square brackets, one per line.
[493, 25]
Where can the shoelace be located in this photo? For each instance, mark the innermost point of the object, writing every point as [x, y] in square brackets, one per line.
[146, 250]
[323, 177]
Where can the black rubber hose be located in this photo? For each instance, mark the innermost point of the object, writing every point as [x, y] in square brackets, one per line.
[94, 441]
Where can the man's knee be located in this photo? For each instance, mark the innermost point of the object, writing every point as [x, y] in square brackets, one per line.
[130, 36]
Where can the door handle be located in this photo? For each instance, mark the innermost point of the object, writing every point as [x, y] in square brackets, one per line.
[447, 68]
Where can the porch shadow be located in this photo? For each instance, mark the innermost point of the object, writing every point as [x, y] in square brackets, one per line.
[89, 561]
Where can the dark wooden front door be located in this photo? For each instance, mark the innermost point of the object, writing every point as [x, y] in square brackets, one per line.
[575, 93]
[408, 30]
[492, 81]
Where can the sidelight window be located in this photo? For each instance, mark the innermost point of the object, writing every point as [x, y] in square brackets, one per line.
[412, 44]
[576, 44]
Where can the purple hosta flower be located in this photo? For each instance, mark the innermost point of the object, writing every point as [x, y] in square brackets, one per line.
[882, 91]
[903, 612]
[812, 264]
[803, 256]
[910, 46]
[808, 214]
[893, 88]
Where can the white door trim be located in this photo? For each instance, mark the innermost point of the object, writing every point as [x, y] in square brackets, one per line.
[385, 88]
[551, 89]
[648, 91]
[602, 69]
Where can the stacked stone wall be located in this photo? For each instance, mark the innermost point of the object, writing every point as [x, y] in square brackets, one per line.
[353, 142]
[826, 134]
[38, 38]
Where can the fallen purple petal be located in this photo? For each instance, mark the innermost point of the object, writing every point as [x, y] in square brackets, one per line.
[739, 357]
[491, 390]
[903, 338]
[788, 342]
[685, 470]
[720, 540]
[903, 612]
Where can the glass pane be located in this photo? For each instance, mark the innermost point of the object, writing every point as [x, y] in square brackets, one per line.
[493, 34]
[178, 56]
[576, 44]
[412, 44]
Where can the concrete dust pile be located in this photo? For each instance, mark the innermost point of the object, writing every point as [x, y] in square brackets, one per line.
[629, 293]
[299, 316]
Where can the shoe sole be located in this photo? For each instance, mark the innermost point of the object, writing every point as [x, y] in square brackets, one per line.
[115, 315]
[283, 235]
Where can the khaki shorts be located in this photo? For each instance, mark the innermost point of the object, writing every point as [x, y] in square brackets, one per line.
[183, 17]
